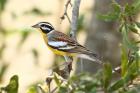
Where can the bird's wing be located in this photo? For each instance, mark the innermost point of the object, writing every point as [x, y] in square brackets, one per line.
[63, 42]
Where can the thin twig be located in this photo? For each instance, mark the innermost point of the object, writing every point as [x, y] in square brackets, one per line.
[40, 89]
[68, 18]
[65, 12]
[54, 90]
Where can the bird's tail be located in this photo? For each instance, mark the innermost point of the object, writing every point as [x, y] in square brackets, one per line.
[90, 56]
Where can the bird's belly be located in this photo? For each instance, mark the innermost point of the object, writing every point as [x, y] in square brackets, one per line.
[61, 52]
[57, 51]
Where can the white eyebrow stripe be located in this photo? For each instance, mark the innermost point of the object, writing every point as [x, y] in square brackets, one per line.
[46, 24]
[57, 43]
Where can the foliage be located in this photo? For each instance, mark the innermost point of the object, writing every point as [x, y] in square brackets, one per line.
[12, 87]
[102, 81]
[3, 68]
[2, 5]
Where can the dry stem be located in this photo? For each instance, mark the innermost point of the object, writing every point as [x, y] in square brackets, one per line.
[65, 12]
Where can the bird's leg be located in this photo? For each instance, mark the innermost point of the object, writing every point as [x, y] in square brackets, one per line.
[69, 66]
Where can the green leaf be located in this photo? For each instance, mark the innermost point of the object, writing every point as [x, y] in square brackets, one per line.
[129, 10]
[116, 7]
[2, 5]
[107, 75]
[3, 68]
[138, 24]
[57, 81]
[121, 27]
[12, 87]
[123, 61]
[132, 72]
[136, 5]
[111, 16]
[32, 90]
[116, 85]
[133, 29]
[129, 75]
[108, 17]
[63, 90]
[126, 42]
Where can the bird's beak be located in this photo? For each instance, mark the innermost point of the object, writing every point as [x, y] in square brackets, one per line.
[35, 26]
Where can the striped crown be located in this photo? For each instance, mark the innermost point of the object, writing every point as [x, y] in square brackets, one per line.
[45, 27]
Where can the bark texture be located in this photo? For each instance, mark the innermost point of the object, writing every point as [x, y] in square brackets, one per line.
[103, 37]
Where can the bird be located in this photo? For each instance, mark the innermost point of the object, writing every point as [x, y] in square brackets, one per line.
[62, 44]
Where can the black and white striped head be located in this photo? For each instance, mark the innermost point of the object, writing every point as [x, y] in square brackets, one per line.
[45, 27]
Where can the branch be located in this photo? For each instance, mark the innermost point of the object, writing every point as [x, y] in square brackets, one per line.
[65, 12]
[75, 15]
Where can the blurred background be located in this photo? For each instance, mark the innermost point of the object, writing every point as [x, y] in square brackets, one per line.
[23, 51]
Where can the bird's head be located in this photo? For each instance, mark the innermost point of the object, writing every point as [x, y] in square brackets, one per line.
[45, 27]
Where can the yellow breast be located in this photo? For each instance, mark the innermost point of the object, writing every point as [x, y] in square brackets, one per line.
[55, 50]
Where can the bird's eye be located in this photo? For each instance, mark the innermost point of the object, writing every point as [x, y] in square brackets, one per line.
[43, 25]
